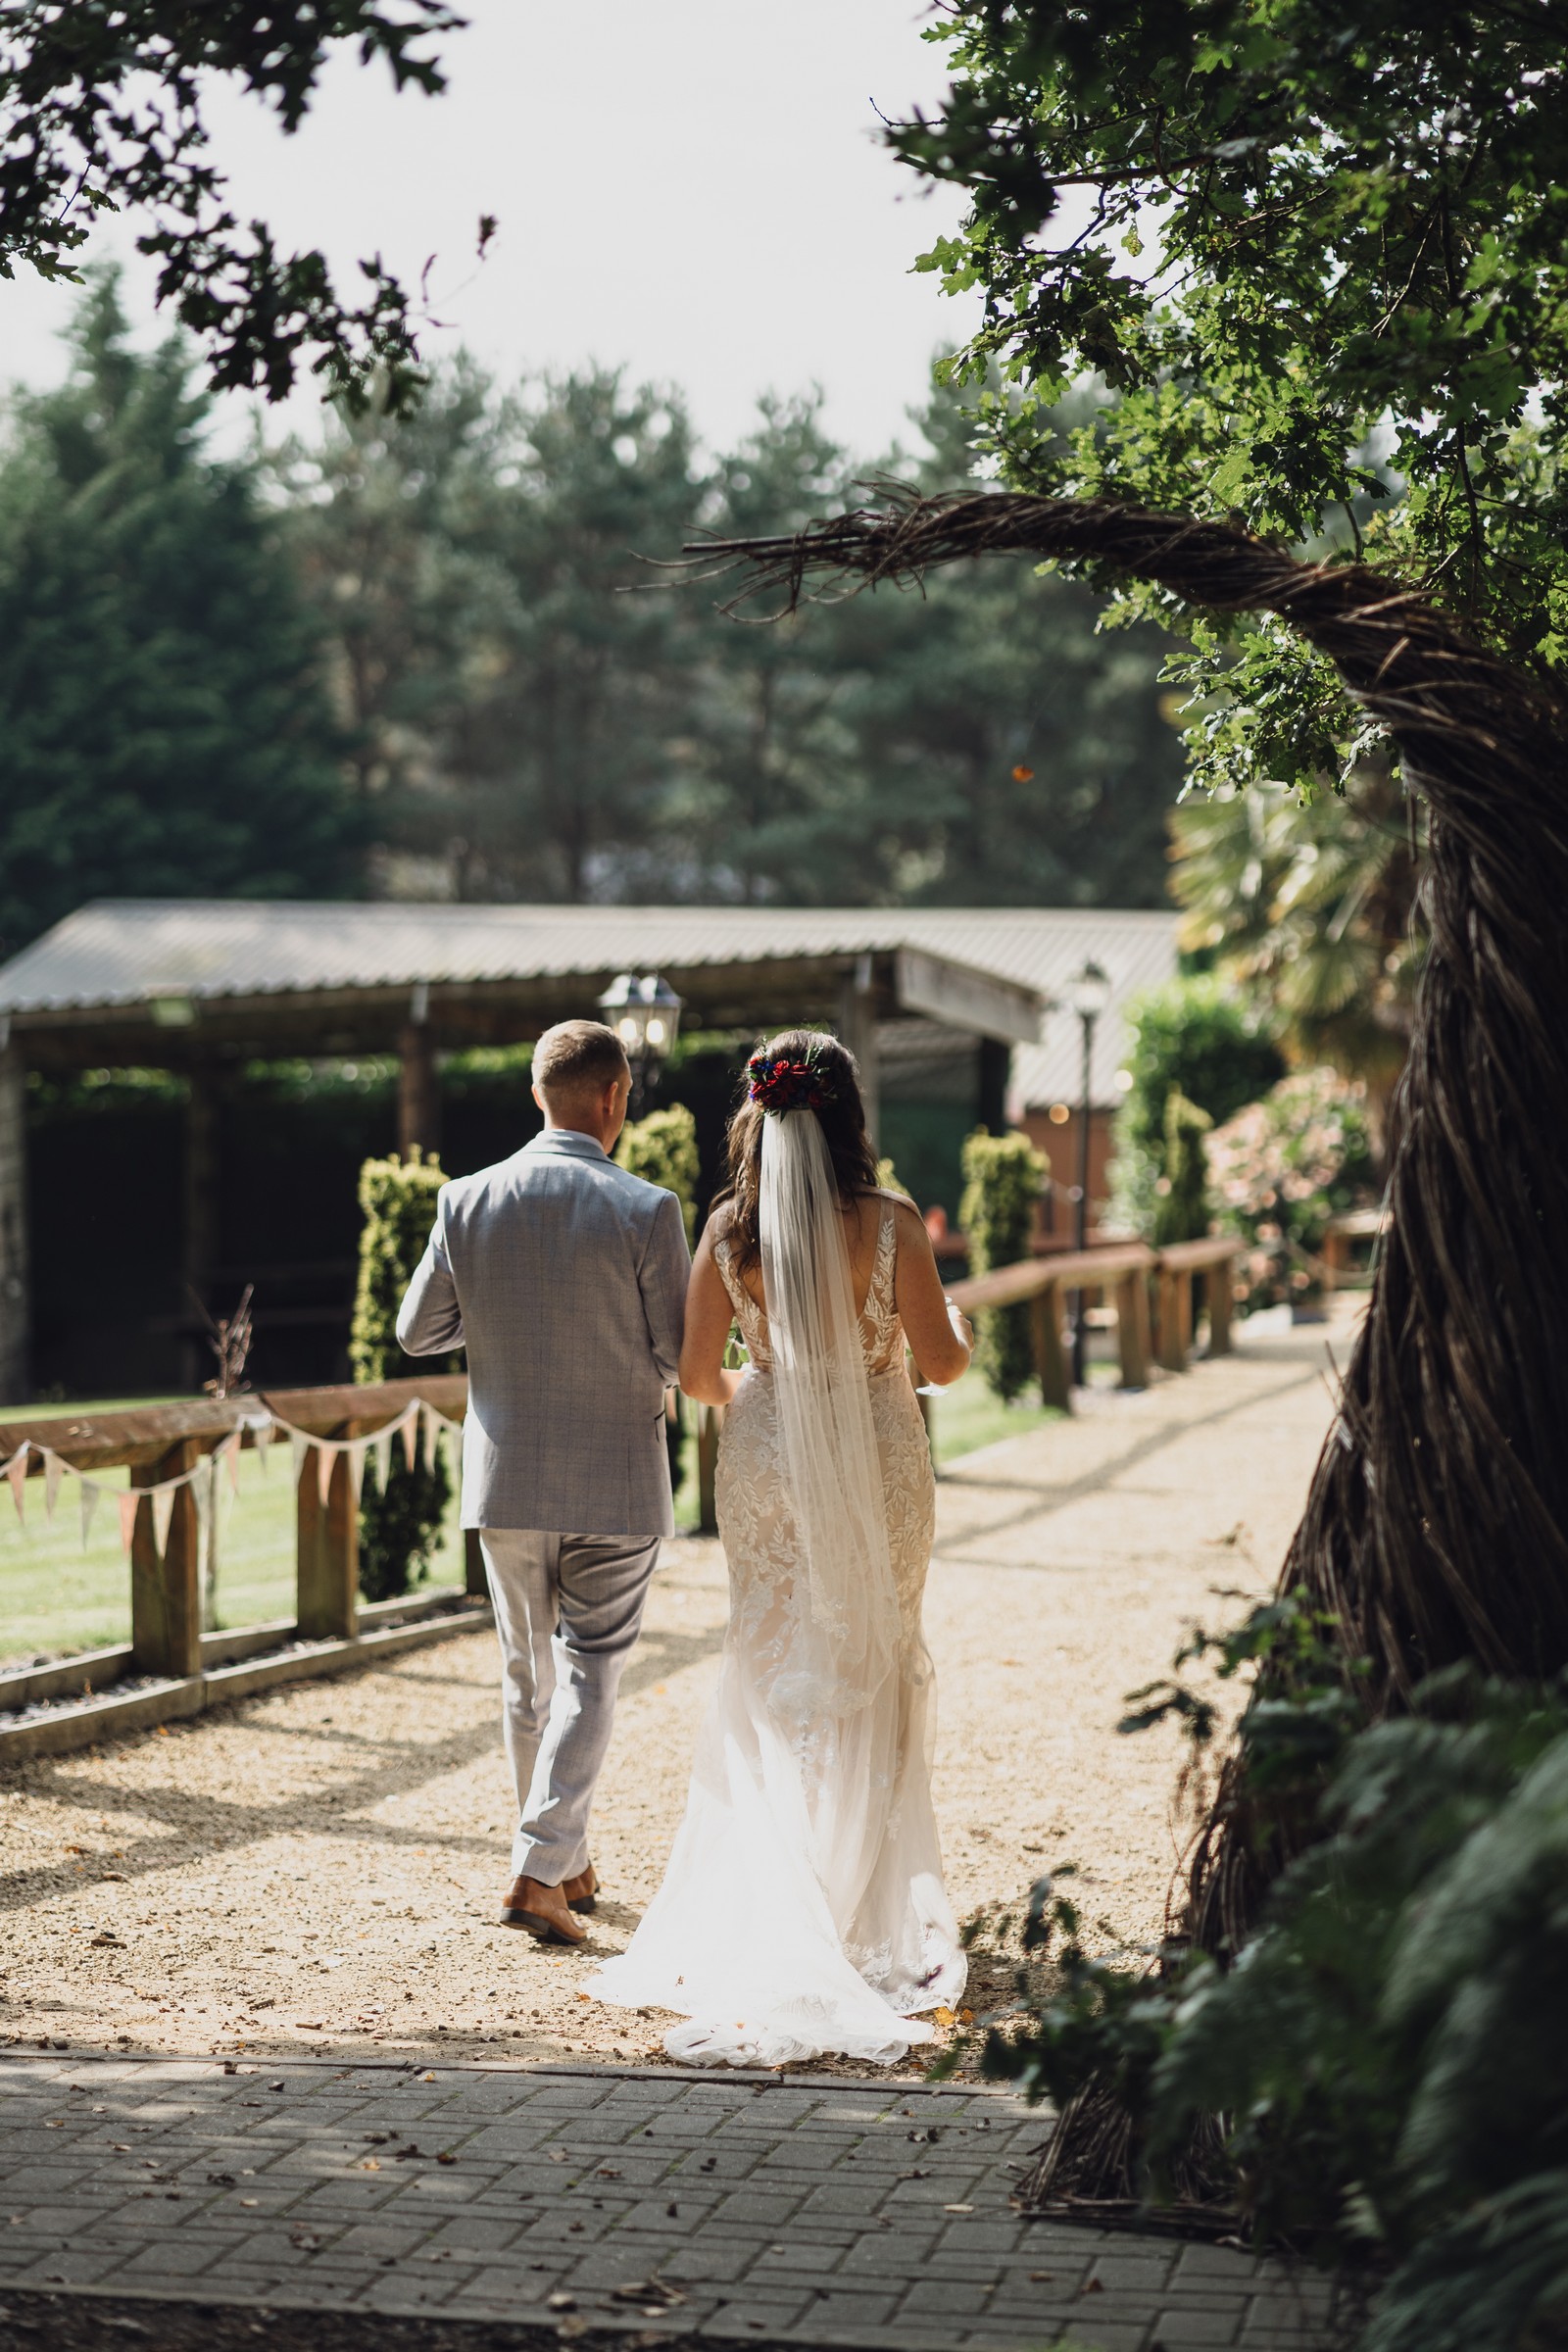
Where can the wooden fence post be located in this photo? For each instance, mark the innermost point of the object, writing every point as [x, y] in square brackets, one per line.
[1221, 1279]
[710, 1421]
[1051, 1362]
[1175, 1317]
[166, 1595]
[1132, 1329]
[328, 1568]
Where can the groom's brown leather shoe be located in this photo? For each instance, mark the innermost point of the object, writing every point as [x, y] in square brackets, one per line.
[581, 1890]
[543, 1911]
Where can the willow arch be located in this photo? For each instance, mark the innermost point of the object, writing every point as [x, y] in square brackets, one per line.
[1435, 1527]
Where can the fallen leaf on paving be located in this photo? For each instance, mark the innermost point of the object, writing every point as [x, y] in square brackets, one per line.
[559, 2155]
[445, 2156]
[561, 2301]
[1095, 2287]
[958, 2209]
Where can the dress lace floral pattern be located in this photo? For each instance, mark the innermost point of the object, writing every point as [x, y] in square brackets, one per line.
[803, 1909]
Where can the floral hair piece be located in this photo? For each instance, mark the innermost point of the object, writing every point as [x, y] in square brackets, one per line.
[778, 1084]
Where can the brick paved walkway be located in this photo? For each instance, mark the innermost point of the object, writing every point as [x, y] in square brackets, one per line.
[755, 2208]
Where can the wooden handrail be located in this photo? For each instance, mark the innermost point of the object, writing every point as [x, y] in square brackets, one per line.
[1187, 1257]
[143, 1434]
[1072, 1269]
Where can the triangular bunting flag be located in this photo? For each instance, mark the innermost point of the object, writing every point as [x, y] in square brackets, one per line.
[429, 1440]
[130, 1501]
[200, 1481]
[163, 1499]
[90, 1492]
[299, 1446]
[231, 1460]
[54, 1469]
[262, 1431]
[383, 1454]
[17, 1473]
[325, 1464]
[357, 1454]
[409, 1426]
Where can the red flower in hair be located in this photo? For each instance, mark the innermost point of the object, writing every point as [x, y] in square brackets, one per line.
[779, 1084]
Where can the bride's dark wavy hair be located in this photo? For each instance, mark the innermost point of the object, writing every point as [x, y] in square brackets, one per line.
[842, 1113]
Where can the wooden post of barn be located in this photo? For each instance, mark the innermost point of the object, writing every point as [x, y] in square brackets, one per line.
[166, 1594]
[328, 1570]
[418, 1082]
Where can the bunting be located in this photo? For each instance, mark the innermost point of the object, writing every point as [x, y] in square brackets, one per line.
[418, 1423]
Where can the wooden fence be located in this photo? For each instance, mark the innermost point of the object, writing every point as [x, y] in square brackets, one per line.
[1126, 1271]
[158, 1442]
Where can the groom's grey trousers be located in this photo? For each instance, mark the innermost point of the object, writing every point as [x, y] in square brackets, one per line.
[568, 1611]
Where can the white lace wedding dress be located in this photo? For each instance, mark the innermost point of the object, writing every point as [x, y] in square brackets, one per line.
[803, 1909]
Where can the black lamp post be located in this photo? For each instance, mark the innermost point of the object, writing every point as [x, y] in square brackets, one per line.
[1088, 993]
[645, 1014]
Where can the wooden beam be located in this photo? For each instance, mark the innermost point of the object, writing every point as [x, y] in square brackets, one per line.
[968, 998]
[145, 1433]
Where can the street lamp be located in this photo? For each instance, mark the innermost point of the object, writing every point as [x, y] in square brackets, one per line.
[1088, 993]
[645, 1014]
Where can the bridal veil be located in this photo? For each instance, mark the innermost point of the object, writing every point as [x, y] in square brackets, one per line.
[803, 1909]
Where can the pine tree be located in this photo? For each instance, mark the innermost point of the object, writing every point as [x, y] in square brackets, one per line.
[163, 733]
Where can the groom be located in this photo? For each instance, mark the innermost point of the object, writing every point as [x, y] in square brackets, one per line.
[565, 1278]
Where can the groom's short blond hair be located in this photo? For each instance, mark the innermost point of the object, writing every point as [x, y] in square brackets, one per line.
[574, 1055]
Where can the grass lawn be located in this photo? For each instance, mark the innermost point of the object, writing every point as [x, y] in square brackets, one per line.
[968, 1416]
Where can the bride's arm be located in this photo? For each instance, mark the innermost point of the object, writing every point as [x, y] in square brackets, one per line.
[941, 1352]
[709, 1316]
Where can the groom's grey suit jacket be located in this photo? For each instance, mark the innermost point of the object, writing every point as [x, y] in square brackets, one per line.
[565, 1280]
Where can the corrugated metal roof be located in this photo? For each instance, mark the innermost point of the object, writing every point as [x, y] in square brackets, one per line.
[124, 951]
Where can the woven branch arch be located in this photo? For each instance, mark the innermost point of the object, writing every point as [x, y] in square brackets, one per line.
[1436, 1528]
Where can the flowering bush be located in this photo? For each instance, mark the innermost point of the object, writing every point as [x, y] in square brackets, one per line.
[1281, 1168]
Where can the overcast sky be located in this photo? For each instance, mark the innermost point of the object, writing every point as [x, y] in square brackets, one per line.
[693, 189]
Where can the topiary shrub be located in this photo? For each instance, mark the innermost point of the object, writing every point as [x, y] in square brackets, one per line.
[662, 1149]
[1181, 1205]
[1199, 1038]
[1003, 1175]
[400, 1525]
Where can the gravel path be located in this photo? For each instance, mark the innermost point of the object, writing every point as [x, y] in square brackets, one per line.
[319, 1869]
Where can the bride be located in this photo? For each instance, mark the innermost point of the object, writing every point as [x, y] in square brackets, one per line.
[802, 1910]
